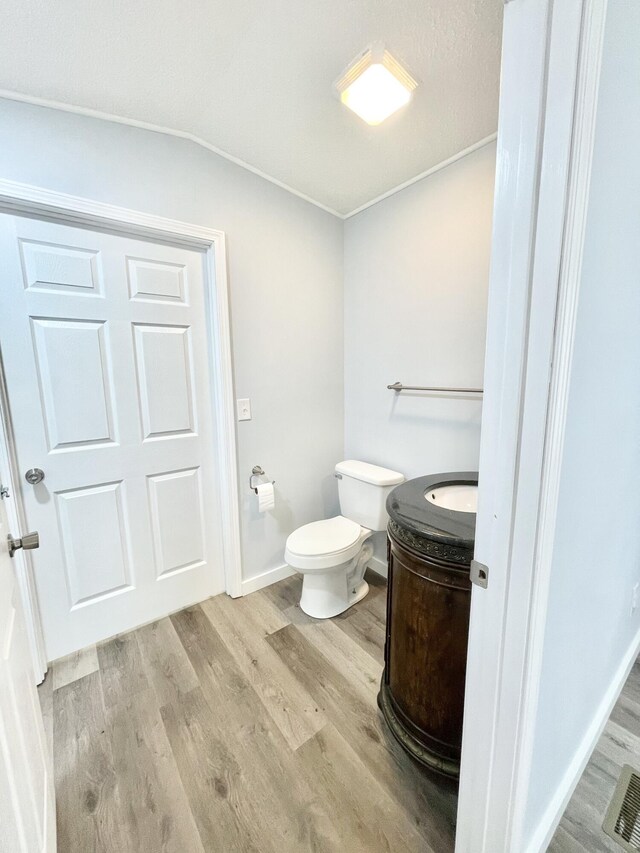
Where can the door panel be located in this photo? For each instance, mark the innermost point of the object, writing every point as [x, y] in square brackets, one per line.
[71, 356]
[177, 514]
[163, 357]
[27, 815]
[104, 544]
[157, 282]
[104, 341]
[60, 268]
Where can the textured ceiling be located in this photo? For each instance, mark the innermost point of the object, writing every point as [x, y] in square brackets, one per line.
[254, 78]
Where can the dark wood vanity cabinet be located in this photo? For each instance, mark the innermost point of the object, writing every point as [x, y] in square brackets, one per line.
[422, 690]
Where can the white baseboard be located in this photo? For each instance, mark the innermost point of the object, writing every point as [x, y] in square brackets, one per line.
[556, 808]
[267, 578]
[378, 566]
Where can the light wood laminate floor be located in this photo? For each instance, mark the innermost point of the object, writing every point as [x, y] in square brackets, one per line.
[581, 826]
[238, 725]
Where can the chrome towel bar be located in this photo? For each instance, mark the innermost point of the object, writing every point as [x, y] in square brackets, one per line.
[398, 386]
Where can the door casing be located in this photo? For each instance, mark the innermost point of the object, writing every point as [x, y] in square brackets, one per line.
[25, 199]
[552, 55]
[17, 524]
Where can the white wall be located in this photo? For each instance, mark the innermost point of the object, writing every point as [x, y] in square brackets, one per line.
[596, 562]
[285, 266]
[414, 309]
[416, 275]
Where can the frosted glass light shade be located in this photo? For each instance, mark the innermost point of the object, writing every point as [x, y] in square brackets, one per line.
[375, 86]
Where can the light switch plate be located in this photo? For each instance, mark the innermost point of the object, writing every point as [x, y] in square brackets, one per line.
[244, 409]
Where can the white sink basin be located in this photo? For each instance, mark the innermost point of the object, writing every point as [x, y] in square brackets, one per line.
[458, 497]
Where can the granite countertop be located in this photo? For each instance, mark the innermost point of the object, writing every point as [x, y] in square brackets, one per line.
[409, 508]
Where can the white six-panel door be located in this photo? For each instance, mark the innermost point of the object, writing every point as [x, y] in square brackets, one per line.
[104, 343]
[27, 812]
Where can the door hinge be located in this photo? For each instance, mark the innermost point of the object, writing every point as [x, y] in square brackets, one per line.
[4, 491]
[479, 574]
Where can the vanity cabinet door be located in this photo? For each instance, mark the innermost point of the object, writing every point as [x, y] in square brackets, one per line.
[428, 603]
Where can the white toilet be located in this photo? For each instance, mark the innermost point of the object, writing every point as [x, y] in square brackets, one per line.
[332, 555]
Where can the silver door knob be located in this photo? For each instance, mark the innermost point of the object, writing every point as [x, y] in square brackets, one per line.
[34, 476]
[29, 541]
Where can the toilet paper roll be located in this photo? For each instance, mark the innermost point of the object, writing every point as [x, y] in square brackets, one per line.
[266, 497]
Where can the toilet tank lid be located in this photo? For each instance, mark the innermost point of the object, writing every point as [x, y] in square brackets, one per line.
[369, 473]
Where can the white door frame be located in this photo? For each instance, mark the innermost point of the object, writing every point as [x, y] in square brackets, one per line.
[17, 524]
[17, 198]
[550, 74]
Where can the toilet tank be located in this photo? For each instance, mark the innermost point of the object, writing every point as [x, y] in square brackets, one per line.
[363, 490]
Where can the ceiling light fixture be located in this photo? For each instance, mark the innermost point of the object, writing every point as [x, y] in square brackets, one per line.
[375, 85]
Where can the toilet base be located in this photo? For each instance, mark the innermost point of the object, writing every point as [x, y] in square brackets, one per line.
[325, 595]
[358, 594]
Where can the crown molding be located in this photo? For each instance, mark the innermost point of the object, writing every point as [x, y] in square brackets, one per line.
[197, 140]
[168, 131]
[437, 168]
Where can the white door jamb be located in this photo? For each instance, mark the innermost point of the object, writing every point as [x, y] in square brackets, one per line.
[10, 477]
[551, 61]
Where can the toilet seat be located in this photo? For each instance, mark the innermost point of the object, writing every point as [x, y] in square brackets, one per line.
[323, 544]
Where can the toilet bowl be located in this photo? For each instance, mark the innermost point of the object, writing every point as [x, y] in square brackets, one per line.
[332, 554]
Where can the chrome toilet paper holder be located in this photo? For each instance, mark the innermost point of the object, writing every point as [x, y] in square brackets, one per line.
[257, 471]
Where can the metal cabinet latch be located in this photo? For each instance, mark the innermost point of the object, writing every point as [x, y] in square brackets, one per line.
[479, 574]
